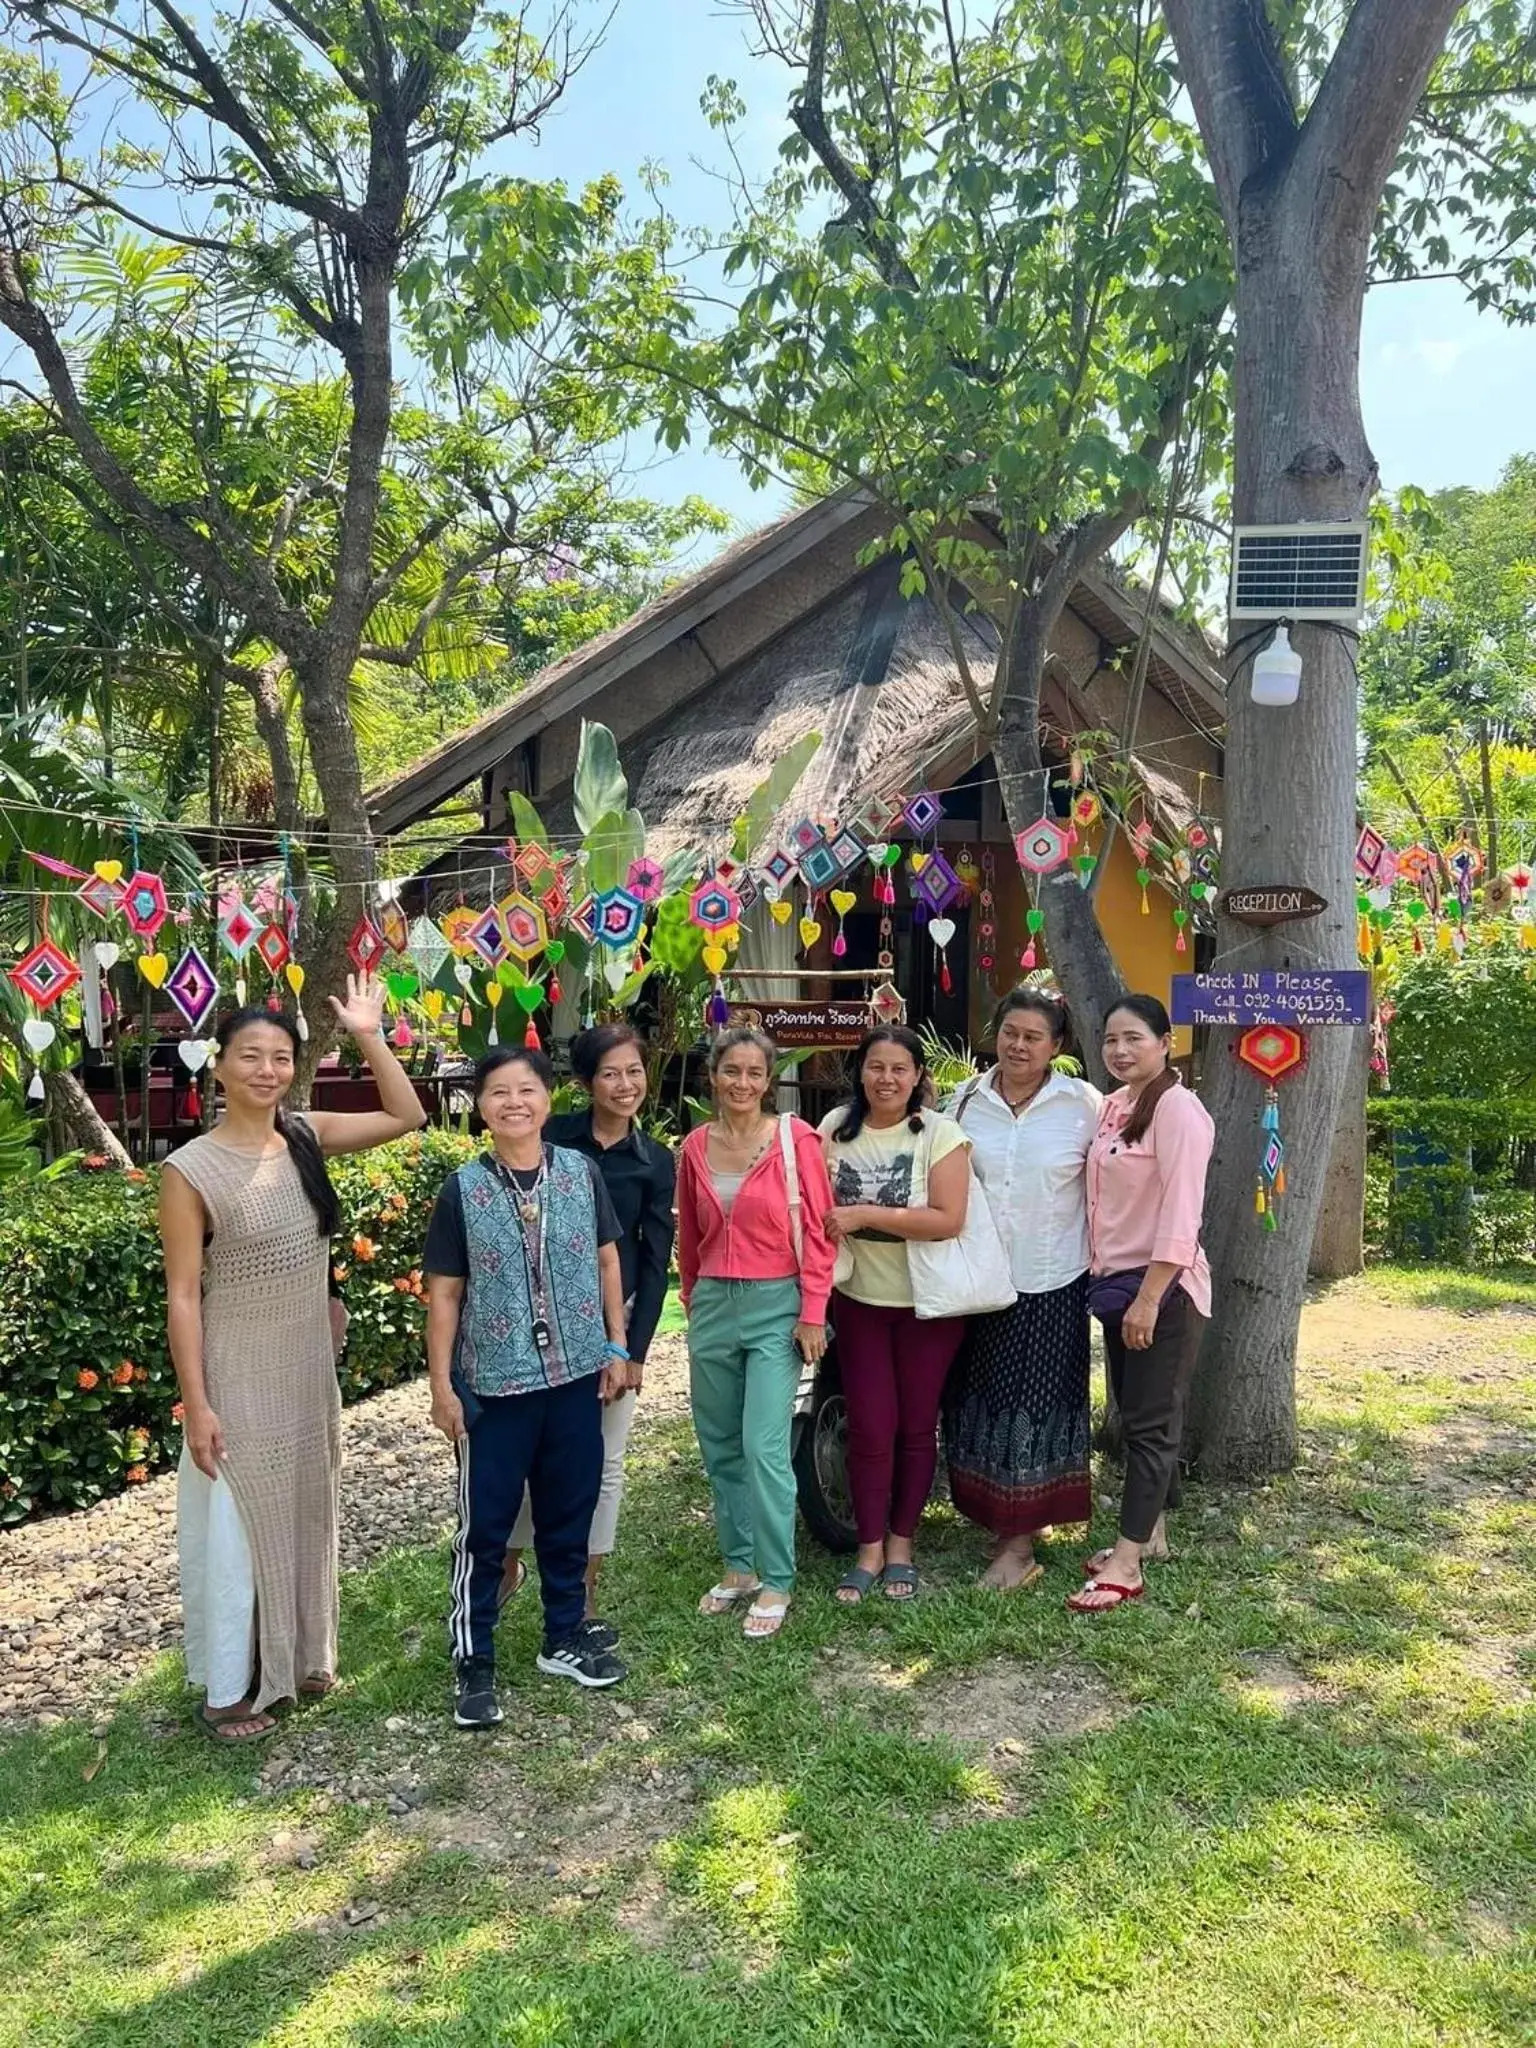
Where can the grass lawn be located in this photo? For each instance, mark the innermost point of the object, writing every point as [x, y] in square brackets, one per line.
[1289, 1799]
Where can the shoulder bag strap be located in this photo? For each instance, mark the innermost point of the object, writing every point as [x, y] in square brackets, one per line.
[792, 1183]
[964, 1103]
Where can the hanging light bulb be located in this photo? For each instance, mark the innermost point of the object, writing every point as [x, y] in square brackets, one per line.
[1277, 671]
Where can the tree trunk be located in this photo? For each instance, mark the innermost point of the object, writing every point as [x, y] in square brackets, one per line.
[1079, 953]
[1338, 1243]
[77, 1115]
[1290, 809]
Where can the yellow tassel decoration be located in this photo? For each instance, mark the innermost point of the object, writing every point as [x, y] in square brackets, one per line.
[1258, 1200]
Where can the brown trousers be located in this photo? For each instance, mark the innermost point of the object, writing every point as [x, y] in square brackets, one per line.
[1151, 1389]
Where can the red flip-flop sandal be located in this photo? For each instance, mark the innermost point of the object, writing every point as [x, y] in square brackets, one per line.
[1079, 1605]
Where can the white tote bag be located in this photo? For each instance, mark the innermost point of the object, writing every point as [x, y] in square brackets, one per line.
[968, 1275]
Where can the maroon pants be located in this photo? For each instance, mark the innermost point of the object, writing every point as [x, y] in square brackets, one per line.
[893, 1370]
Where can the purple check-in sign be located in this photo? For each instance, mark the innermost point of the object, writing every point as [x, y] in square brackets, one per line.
[1303, 997]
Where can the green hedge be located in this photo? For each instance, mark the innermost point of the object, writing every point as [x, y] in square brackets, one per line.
[87, 1391]
[1453, 1180]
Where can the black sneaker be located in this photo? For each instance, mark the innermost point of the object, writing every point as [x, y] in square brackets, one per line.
[476, 1705]
[598, 1635]
[579, 1658]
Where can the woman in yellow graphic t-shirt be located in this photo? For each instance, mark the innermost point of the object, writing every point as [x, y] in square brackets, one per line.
[898, 1173]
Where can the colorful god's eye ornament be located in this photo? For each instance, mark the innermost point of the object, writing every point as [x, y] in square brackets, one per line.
[43, 975]
[143, 904]
[456, 926]
[1371, 854]
[921, 813]
[1042, 847]
[619, 917]
[1273, 1052]
[428, 948]
[847, 848]
[534, 865]
[713, 906]
[193, 987]
[819, 865]
[395, 927]
[524, 927]
[102, 891]
[646, 880]
[1086, 810]
[779, 868]
[935, 886]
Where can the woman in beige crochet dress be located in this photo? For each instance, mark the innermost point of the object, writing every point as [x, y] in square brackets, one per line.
[247, 1213]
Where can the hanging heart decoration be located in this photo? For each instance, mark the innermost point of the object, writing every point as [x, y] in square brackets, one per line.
[781, 912]
[842, 901]
[715, 958]
[193, 1054]
[1034, 919]
[432, 1003]
[463, 973]
[293, 974]
[154, 967]
[554, 952]
[810, 932]
[38, 1033]
[109, 871]
[941, 930]
[528, 997]
[493, 995]
[401, 983]
[108, 953]
[878, 853]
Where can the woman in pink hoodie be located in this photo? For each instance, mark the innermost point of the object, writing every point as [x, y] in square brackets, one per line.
[756, 1268]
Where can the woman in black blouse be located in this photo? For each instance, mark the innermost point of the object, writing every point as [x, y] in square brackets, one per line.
[640, 1176]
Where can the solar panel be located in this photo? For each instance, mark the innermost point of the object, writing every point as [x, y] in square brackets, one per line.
[1299, 572]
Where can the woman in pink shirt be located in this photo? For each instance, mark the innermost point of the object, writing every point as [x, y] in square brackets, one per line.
[1150, 1285]
[755, 1264]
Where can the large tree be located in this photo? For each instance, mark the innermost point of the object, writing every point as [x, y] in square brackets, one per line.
[1305, 111]
[328, 498]
[987, 286]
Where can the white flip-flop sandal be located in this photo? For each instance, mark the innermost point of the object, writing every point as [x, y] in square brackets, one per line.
[760, 1615]
[721, 1599]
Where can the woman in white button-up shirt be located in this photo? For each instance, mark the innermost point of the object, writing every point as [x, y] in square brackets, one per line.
[1016, 1418]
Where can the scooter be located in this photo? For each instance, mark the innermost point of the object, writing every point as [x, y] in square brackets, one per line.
[819, 1449]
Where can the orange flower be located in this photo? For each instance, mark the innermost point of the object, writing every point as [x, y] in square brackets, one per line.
[86, 1379]
[136, 1474]
[339, 1273]
[93, 1162]
[402, 1284]
[135, 1173]
[122, 1375]
[365, 1248]
[141, 1373]
[178, 1410]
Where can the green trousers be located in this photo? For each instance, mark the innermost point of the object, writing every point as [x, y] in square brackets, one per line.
[744, 1373]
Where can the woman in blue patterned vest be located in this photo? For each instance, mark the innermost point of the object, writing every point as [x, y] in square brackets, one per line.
[525, 1342]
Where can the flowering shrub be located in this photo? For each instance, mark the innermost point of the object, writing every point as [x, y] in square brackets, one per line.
[88, 1396]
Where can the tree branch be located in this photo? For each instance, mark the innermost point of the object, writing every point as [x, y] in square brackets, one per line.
[1230, 61]
[1355, 128]
[809, 116]
[257, 599]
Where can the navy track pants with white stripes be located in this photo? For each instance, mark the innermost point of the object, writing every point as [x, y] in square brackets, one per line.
[550, 1441]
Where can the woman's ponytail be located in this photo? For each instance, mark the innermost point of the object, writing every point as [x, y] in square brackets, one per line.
[304, 1150]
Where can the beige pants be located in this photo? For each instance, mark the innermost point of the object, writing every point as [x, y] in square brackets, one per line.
[618, 1418]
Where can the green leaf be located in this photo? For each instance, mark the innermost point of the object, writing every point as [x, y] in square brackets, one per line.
[599, 789]
[771, 795]
[527, 825]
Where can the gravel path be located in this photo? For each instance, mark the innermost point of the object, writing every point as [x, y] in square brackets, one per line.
[87, 1600]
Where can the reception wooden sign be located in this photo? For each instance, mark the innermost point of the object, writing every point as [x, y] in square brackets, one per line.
[1271, 903]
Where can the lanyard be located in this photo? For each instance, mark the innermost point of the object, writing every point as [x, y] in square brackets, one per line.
[535, 1241]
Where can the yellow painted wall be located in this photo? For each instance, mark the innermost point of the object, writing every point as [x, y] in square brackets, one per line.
[1142, 946]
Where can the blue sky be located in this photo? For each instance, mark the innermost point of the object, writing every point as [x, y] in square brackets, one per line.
[1447, 392]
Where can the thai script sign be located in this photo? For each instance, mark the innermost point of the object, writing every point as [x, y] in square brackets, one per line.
[821, 1026]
